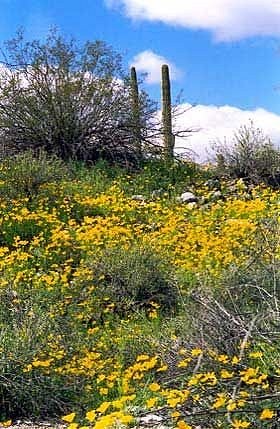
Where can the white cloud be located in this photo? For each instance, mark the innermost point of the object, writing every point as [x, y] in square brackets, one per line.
[217, 123]
[226, 19]
[150, 63]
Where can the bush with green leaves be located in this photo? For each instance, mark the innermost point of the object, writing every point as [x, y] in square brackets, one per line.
[250, 155]
[135, 279]
[157, 178]
[25, 331]
[23, 174]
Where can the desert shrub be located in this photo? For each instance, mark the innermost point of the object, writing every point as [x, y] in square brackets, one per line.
[99, 176]
[136, 278]
[70, 100]
[157, 178]
[247, 300]
[25, 330]
[250, 155]
[23, 174]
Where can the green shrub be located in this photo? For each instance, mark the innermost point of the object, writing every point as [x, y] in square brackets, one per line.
[157, 178]
[25, 329]
[23, 174]
[250, 155]
[132, 279]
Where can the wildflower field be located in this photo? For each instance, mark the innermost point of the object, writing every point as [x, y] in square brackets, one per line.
[114, 307]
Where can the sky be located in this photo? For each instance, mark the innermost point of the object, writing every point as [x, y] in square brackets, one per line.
[224, 55]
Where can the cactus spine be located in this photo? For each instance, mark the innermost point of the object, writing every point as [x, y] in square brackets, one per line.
[168, 137]
[136, 111]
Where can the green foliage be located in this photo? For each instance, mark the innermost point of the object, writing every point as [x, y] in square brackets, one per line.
[136, 278]
[24, 230]
[154, 179]
[23, 174]
[157, 178]
[250, 155]
[98, 176]
[25, 330]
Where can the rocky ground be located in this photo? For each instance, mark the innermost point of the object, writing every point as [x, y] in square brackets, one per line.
[21, 424]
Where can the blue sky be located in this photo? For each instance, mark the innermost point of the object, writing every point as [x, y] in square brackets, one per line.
[223, 54]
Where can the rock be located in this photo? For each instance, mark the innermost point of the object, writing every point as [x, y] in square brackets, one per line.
[150, 418]
[138, 197]
[187, 197]
[27, 424]
[217, 195]
[157, 193]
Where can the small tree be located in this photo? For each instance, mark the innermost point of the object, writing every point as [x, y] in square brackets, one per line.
[251, 155]
[69, 100]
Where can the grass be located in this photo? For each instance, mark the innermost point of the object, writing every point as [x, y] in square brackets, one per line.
[113, 307]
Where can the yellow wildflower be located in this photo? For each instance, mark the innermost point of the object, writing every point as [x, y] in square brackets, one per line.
[196, 352]
[150, 403]
[124, 419]
[181, 424]
[226, 374]
[223, 358]
[154, 387]
[235, 360]
[267, 414]
[255, 355]
[220, 401]
[6, 423]
[103, 407]
[91, 415]
[240, 424]
[68, 418]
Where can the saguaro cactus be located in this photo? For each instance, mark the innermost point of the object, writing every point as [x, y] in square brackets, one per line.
[168, 137]
[136, 111]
